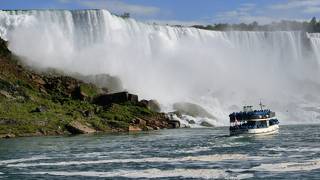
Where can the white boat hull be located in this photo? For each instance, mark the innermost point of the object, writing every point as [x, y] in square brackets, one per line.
[259, 131]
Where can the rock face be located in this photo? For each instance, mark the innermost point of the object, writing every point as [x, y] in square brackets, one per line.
[121, 97]
[5, 94]
[79, 94]
[174, 124]
[75, 127]
[134, 129]
[192, 110]
[7, 136]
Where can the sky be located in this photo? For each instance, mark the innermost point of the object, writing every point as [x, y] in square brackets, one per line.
[187, 12]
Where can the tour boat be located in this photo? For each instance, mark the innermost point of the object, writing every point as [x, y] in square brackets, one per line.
[253, 122]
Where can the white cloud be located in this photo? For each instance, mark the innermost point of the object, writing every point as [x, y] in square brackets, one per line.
[304, 6]
[291, 4]
[311, 10]
[244, 14]
[298, 10]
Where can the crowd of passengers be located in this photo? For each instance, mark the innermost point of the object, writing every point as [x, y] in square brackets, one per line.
[249, 115]
[254, 124]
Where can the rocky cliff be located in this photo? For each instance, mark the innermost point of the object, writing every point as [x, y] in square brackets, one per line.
[33, 103]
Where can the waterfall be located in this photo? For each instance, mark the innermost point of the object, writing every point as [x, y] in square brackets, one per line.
[221, 71]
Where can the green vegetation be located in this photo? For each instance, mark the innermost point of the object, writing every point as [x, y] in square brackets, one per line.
[34, 104]
[312, 26]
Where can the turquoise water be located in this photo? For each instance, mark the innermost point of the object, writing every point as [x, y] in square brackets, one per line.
[294, 153]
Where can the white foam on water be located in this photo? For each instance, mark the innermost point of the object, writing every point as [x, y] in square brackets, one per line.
[34, 158]
[295, 149]
[154, 173]
[193, 150]
[289, 166]
[205, 158]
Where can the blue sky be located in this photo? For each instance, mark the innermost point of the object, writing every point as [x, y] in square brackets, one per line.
[187, 11]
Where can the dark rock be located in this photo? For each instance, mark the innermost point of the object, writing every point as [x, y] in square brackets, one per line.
[174, 124]
[139, 122]
[79, 94]
[88, 113]
[148, 128]
[144, 103]
[206, 124]
[175, 113]
[39, 109]
[121, 97]
[134, 128]
[191, 121]
[8, 122]
[75, 127]
[7, 136]
[5, 94]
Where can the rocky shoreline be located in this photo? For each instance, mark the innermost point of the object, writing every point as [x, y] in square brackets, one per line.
[40, 104]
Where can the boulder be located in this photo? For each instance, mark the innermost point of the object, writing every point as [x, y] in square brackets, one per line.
[140, 122]
[8, 122]
[121, 97]
[39, 109]
[88, 113]
[191, 121]
[5, 94]
[7, 136]
[206, 124]
[79, 94]
[148, 128]
[75, 127]
[193, 110]
[174, 124]
[134, 128]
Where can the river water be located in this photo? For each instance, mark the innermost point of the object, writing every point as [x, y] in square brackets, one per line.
[293, 153]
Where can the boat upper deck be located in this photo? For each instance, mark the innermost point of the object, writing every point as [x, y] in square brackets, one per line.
[249, 114]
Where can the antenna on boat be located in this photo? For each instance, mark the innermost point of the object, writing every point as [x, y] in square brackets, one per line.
[261, 105]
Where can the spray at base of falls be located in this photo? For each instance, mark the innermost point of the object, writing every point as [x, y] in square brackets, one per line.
[220, 71]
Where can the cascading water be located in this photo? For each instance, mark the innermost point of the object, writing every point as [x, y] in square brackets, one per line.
[218, 70]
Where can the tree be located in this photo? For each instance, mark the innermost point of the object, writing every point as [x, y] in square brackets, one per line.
[125, 15]
[313, 24]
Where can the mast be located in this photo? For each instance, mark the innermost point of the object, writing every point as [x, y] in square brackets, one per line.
[261, 105]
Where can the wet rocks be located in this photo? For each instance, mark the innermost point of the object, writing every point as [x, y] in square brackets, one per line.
[76, 127]
[134, 128]
[206, 124]
[8, 122]
[7, 136]
[174, 124]
[6, 94]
